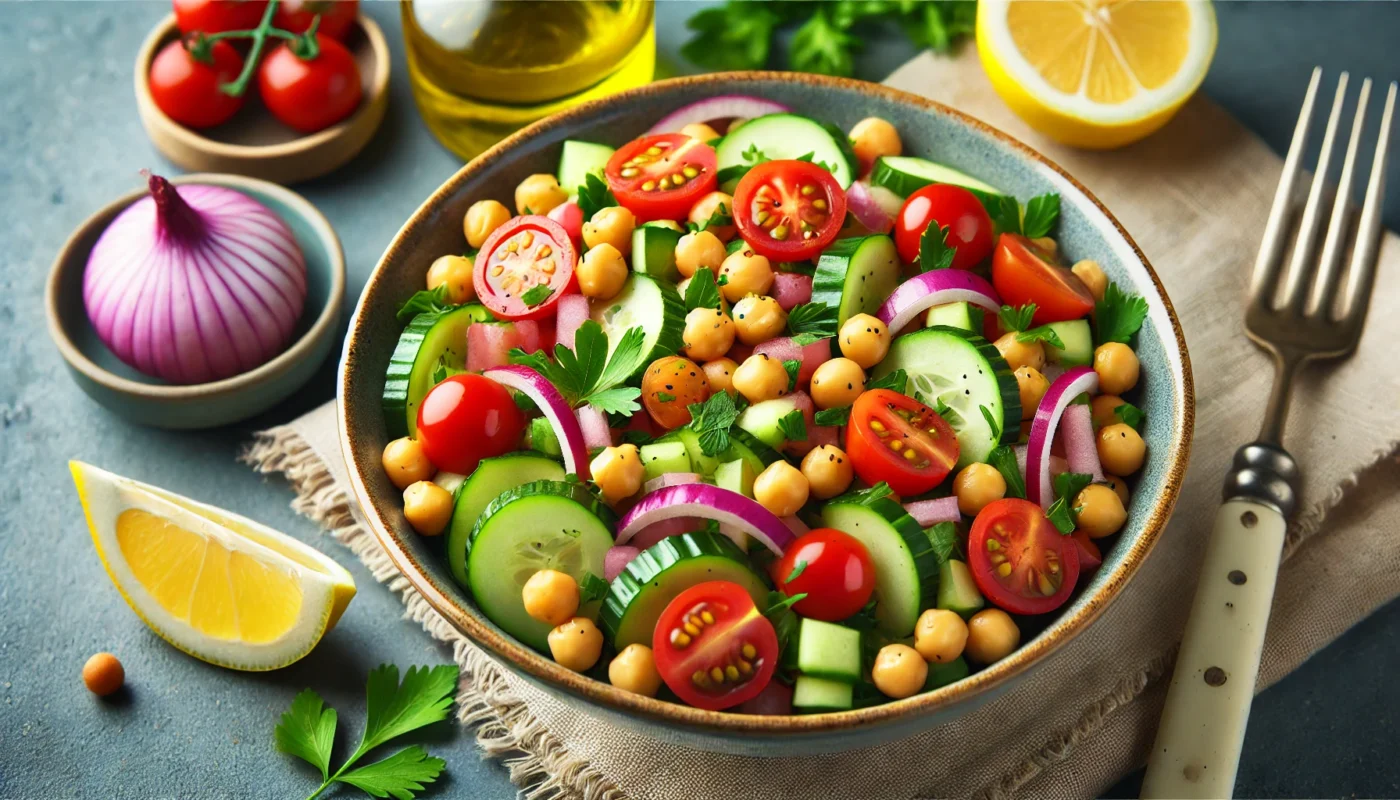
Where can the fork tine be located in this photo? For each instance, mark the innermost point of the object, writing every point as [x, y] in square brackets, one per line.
[1330, 263]
[1304, 261]
[1270, 259]
[1368, 233]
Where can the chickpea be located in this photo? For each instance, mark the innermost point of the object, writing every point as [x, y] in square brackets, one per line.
[991, 636]
[1033, 386]
[551, 597]
[760, 378]
[747, 273]
[612, 225]
[602, 272]
[758, 318]
[977, 486]
[837, 383]
[828, 471]
[709, 333]
[781, 488]
[1101, 409]
[873, 137]
[864, 339]
[940, 635]
[456, 273]
[1117, 366]
[1092, 277]
[701, 131]
[427, 507]
[103, 674]
[899, 671]
[539, 194]
[634, 670]
[1101, 511]
[1119, 487]
[1047, 244]
[720, 374]
[576, 644]
[1020, 354]
[706, 207]
[698, 250]
[482, 220]
[1121, 449]
[618, 472]
[405, 463]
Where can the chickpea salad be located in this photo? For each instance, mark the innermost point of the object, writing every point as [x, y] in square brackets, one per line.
[775, 420]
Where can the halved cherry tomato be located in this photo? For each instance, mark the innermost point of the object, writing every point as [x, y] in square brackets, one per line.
[713, 647]
[789, 210]
[522, 254]
[661, 176]
[833, 569]
[1089, 556]
[1023, 273]
[947, 206]
[1019, 561]
[894, 438]
[467, 418]
[217, 16]
[336, 16]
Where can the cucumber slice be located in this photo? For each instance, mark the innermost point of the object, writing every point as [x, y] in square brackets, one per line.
[855, 275]
[1078, 341]
[906, 568]
[965, 371]
[541, 525]
[745, 445]
[736, 476]
[944, 674]
[647, 303]
[827, 650]
[956, 315]
[699, 462]
[786, 136]
[761, 420]
[903, 175]
[659, 458]
[956, 590]
[543, 439]
[654, 252]
[432, 339]
[577, 159]
[654, 578]
[668, 224]
[813, 694]
[492, 477]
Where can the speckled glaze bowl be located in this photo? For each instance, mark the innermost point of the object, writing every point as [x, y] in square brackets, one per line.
[1087, 230]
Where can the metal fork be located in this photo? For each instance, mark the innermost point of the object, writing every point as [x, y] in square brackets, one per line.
[1295, 317]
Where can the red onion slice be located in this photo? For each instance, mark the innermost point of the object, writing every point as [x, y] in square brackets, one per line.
[935, 288]
[931, 512]
[572, 312]
[1077, 433]
[594, 424]
[709, 502]
[874, 207]
[538, 388]
[1070, 385]
[616, 560]
[725, 106]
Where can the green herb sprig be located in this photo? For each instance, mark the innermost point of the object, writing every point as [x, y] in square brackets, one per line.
[587, 374]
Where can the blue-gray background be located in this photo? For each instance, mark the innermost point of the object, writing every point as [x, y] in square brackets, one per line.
[71, 141]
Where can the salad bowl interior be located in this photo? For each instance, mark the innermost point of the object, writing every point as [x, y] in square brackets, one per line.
[1086, 230]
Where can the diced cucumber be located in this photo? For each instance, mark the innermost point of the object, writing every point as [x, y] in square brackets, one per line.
[761, 420]
[906, 567]
[647, 303]
[743, 446]
[957, 592]
[967, 373]
[654, 578]
[492, 477]
[541, 525]
[659, 458]
[827, 650]
[855, 275]
[943, 674]
[787, 136]
[699, 462]
[813, 694]
[431, 340]
[543, 438]
[1078, 342]
[654, 252]
[666, 224]
[956, 315]
[577, 159]
[736, 476]
[903, 175]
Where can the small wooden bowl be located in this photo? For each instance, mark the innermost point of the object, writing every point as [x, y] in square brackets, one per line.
[257, 144]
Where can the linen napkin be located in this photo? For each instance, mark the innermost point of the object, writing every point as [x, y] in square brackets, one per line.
[1194, 196]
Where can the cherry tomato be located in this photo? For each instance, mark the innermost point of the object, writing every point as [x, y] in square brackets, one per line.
[713, 647]
[1019, 561]
[217, 16]
[1023, 273]
[313, 94]
[661, 177]
[894, 438]
[467, 418]
[833, 568]
[188, 90]
[336, 16]
[952, 207]
[669, 386]
[789, 210]
[1089, 556]
[519, 256]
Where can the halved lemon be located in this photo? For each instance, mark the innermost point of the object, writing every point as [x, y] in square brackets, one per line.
[1095, 73]
[218, 586]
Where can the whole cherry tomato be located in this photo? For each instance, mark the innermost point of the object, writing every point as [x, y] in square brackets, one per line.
[832, 568]
[947, 206]
[467, 418]
[313, 93]
[187, 89]
[217, 16]
[336, 16]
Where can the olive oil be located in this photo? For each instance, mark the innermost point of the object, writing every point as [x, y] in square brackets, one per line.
[481, 69]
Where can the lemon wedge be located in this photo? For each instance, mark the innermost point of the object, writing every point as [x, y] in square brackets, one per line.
[1095, 73]
[218, 586]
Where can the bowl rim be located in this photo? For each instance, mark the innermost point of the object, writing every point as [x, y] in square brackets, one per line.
[539, 668]
[282, 363]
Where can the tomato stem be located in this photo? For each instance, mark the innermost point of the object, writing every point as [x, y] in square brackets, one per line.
[259, 35]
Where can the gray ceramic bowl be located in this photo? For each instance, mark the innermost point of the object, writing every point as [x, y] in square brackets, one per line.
[1087, 230]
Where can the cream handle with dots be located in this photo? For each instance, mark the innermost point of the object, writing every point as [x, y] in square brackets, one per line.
[1197, 751]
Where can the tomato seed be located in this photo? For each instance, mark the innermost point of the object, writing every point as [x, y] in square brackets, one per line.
[750, 652]
[629, 172]
[707, 617]
[679, 638]
[717, 674]
[690, 172]
[780, 232]
[819, 204]
[1004, 570]
[653, 151]
[649, 186]
[731, 672]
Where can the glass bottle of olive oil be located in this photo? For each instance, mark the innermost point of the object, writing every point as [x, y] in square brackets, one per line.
[481, 69]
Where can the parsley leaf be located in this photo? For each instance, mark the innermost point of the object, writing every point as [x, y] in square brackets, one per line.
[945, 540]
[719, 218]
[593, 195]
[866, 497]
[712, 420]
[665, 397]
[423, 302]
[1059, 515]
[833, 416]
[440, 372]
[702, 291]
[735, 36]
[821, 46]
[799, 568]
[1016, 319]
[636, 437]
[591, 588]
[1004, 459]
[804, 339]
[782, 602]
[934, 252]
[794, 426]
[810, 157]
[992, 422]
[536, 294]
[1118, 315]
[399, 775]
[1004, 211]
[587, 374]
[817, 318]
[1129, 415]
[307, 731]
[393, 708]
[1067, 487]
[1044, 333]
[1042, 212]
[896, 380]
[941, 407]
[784, 619]
[793, 366]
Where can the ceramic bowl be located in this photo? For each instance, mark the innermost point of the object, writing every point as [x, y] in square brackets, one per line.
[1086, 230]
[150, 401]
[255, 143]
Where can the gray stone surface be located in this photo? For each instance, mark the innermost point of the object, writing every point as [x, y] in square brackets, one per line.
[71, 141]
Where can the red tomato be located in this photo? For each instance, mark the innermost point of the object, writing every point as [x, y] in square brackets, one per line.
[217, 16]
[661, 177]
[731, 655]
[336, 16]
[188, 90]
[467, 418]
[1019, 561]
[835, 572]
[524, 253]
[952, 207]
[896, 439]
[313, 94]
[670, 386]
[789, 210]
[1023, 273]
